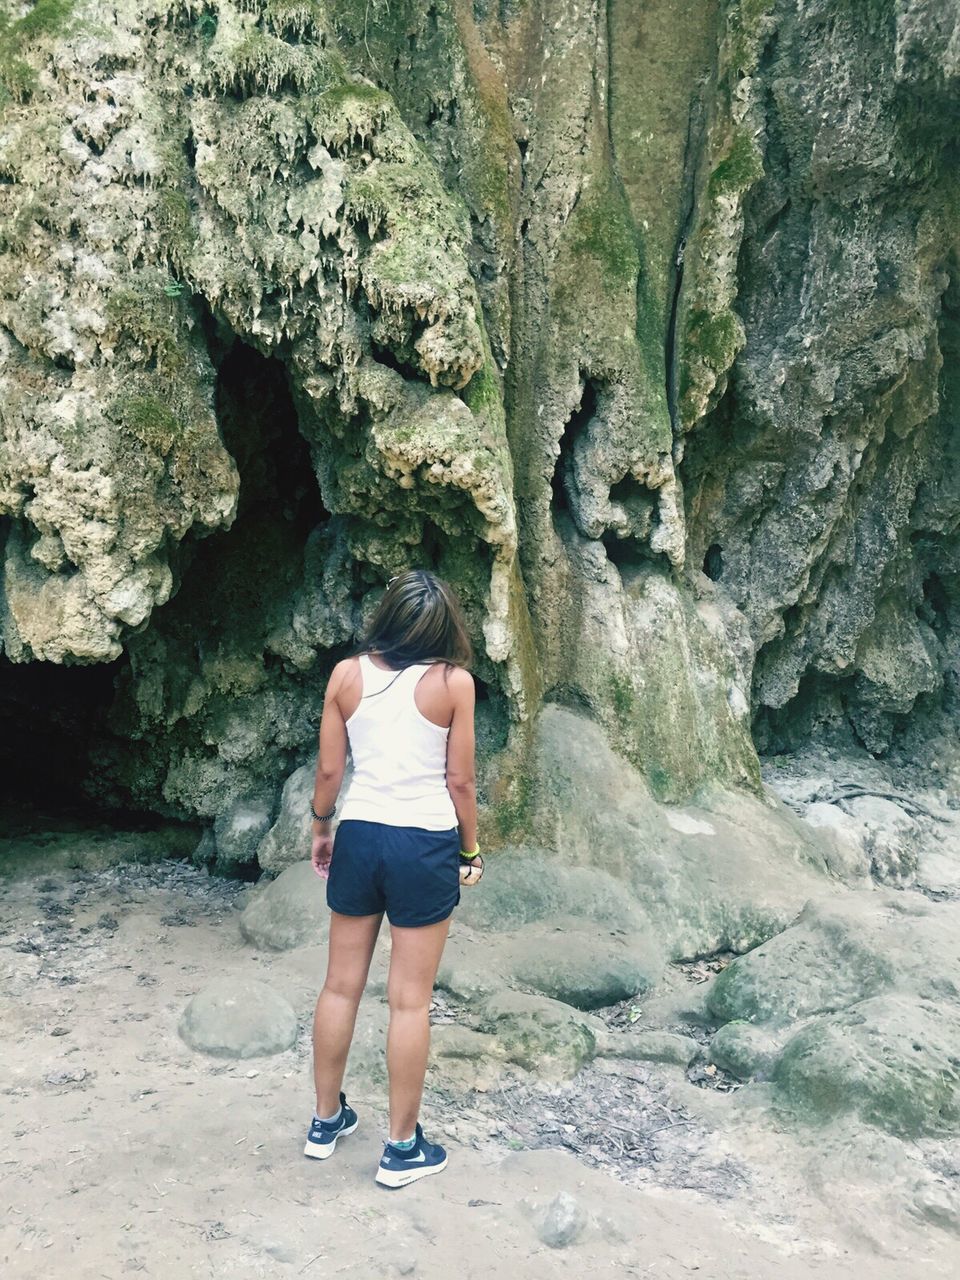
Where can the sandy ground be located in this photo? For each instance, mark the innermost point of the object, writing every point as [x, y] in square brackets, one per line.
[124, 1153]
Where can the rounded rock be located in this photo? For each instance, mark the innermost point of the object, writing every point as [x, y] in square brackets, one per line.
[239, 828]
[540, 1035]
[581, 970]
[563, 1221]
[290, 912]
[745, 1051]
[238, 1018]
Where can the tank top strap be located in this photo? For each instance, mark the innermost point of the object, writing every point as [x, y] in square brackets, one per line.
[373, 679]
[410, 677]
[389, 683]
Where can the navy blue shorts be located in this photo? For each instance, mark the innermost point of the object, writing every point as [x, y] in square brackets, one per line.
[410, 873]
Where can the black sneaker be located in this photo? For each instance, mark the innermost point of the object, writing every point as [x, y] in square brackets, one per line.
[398, 1168]
[323, 1135]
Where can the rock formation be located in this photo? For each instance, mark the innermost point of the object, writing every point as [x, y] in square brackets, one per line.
[636, 320]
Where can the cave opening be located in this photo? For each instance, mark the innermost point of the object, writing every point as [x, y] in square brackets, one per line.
[75, 753]
[50, 717]
[816, 713]
[713, 562]
[626, 553]
[564, 483]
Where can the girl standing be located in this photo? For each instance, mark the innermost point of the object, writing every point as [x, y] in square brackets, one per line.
[408, 825]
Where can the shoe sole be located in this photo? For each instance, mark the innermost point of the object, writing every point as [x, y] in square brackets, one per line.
[316, 1152]
[394, 1181]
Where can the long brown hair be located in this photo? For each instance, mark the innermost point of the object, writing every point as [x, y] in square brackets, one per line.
[418, 620]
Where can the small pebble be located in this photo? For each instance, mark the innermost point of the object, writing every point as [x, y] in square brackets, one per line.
[563, 1221]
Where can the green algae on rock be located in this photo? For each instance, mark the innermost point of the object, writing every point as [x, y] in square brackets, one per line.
[291, 299]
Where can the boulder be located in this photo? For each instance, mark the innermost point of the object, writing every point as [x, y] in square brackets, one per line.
[842, 838]
[891, 838]
[540, 1035]
[206, 851]
[725, 873]
[450, 1040]
[891, 1060]
[854, 1010]
[824, 963]
[745, 1051]
[238, 1018]
[289, 912]
[239, 827]
[463, 1059]
[288, 840]
[530, 885]
[585, 970]
[841, 952]
[470, 979]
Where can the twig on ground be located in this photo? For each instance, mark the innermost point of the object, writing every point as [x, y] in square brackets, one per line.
[673, 1125]
[896, 797]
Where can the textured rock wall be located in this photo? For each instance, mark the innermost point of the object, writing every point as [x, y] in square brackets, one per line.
[633, 319]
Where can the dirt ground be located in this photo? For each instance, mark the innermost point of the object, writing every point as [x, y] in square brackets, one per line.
[124, 1153]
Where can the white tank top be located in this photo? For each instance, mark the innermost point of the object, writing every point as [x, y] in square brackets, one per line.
[399, 756]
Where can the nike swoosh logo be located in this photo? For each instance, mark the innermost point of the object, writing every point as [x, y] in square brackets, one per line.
[418, 1159]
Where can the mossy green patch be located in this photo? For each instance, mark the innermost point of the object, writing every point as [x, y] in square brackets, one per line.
[739, 169]
[712, 338]
[173, 220]
[603, 230]
[349, 111]
[709, 341]
[407, 199]
[482, 392]
[45, 18]
[622, 696]
[253, 60]
[148, 312]
[151, 421]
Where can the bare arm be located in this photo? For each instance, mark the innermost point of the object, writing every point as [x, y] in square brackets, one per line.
[331, 762]
[461, 760]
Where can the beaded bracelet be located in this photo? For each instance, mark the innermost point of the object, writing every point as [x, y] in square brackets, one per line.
[321, 817]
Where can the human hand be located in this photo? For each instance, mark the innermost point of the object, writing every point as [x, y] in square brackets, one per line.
[321, 852]
[470, 872]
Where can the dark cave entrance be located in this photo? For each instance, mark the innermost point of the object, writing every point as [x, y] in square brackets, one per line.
[564, 480]
[232, 580]
[50, 717]
[67, 765]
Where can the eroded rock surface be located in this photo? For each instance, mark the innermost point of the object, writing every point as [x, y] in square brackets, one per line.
[855, 1009]
[655, 351]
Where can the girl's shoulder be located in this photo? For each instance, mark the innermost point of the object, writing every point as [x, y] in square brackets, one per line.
[458, 680]
[344, 673]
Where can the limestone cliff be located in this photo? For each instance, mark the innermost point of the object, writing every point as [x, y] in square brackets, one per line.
[636, 320]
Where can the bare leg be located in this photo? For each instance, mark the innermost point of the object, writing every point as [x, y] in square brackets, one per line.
[414, 960]
[352, 940]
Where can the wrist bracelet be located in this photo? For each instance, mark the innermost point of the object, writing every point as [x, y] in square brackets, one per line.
[321, 817]
[468, 857]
